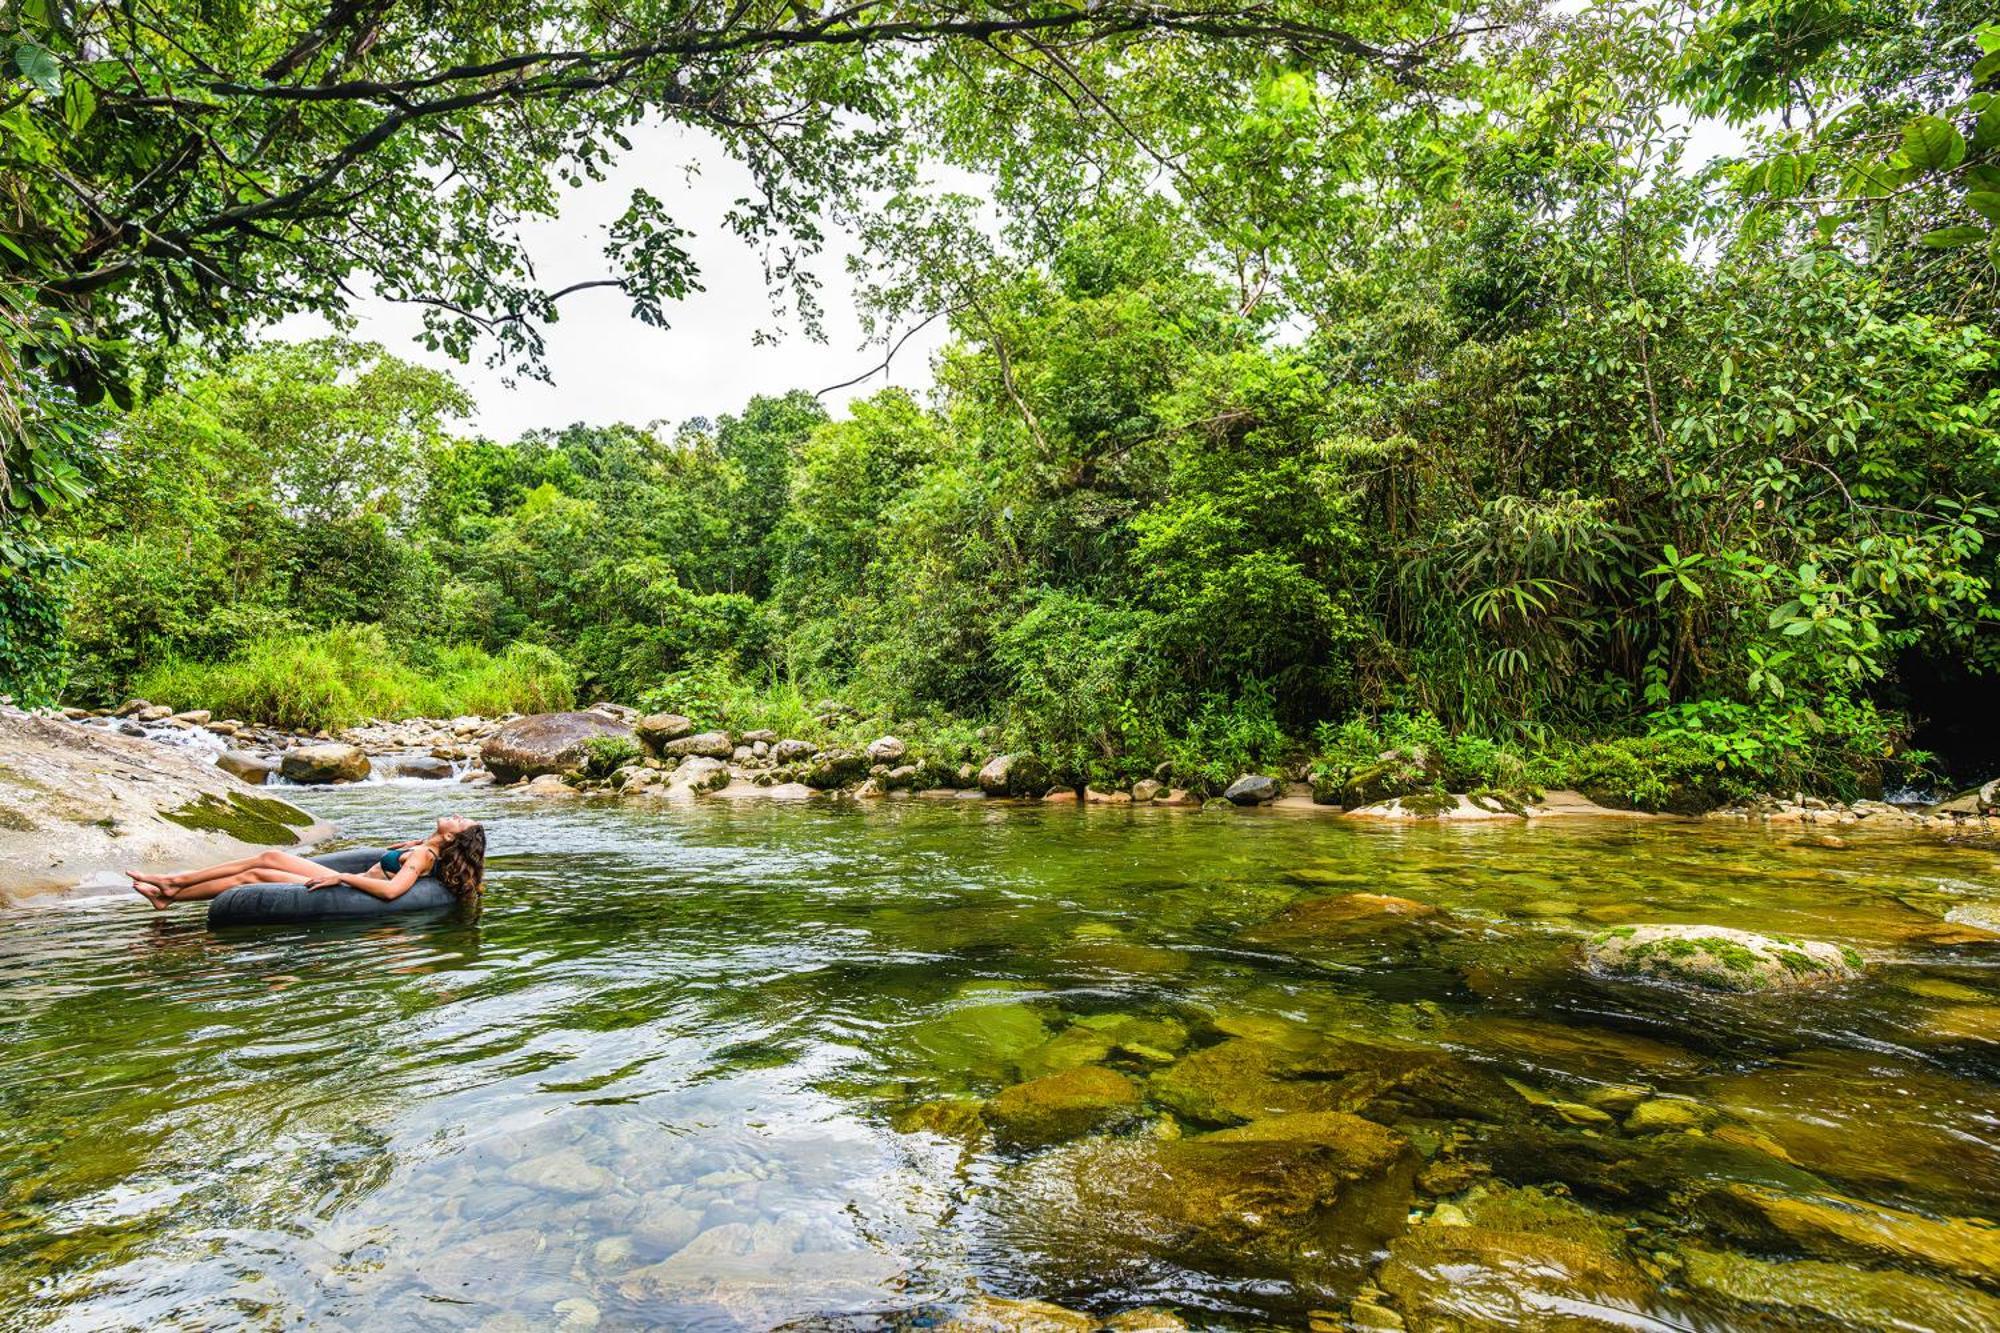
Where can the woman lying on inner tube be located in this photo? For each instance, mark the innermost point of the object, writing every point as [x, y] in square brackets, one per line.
[454, 854]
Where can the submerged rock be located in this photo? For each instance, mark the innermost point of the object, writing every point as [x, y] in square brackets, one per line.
[1293, 1196]
[986, 1037]
[993, 1314]
[1248, 1079]
[1839, 1295]
[1835, 1226]
[1450, 1278]
[948, 1117]
[1719, 958]
[1341, 916]
[1062, 1106]
[546, 743]
[320, 765]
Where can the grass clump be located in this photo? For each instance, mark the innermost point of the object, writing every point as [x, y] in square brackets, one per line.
[351, 673]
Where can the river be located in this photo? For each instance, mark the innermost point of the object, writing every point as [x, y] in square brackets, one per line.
[719, 1065]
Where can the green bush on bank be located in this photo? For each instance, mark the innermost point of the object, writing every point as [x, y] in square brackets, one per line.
[348, 674]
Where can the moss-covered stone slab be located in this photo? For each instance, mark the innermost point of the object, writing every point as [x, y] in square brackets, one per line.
[1719, 958]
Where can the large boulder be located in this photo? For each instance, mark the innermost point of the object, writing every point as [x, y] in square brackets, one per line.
[1718, 958]
[1014, 775]
[319, 765]
[545, 743]
[1252, 789]
[255, 769]
[887, 750]
[707, 744]
[657, 729]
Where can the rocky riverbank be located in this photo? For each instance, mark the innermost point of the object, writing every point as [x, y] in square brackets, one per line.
[614, 749]
[78, 803]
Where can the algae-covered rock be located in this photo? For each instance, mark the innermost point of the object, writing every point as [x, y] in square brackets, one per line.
[1288, 1197]
[979, 1035]
[1248, 1078]
[1100, 1038]
[1341, 916]
[1835, 1226]
[1838, 1295]
[830, 769]
[1517, 1258]
[1663, 1114]
[1062, 1106]
[947, 1117]
[994, 1314]
[1719, 958]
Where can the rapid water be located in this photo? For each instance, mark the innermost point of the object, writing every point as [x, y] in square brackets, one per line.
[685, 1067]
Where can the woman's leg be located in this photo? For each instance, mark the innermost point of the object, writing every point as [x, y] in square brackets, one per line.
[214, 888]
[194, 886]
[296, 866]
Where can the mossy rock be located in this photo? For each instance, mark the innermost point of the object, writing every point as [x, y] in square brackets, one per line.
[1245, 1079]
[1063, 1106]
[947, 1117]
[1340, 917]
[1284, 1198]
[982, 1038]
[1719, 958]
[253, 819]
[1837, 1295]
[1444, 1279]
[1834, 1226]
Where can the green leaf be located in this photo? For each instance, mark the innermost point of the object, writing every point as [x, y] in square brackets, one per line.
[1986, 130]
[39, 67]
[1950, 238]
[1986, 203]
[1985, 69]
[1933, 144]
[79, 104]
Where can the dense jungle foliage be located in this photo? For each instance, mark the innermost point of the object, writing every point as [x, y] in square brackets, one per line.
[1330, 398]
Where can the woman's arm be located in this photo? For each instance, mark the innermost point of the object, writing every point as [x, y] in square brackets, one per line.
[388, 890]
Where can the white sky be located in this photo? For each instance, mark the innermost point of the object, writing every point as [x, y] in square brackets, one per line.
[607, 366]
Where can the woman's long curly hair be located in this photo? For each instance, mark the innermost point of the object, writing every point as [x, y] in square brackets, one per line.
[461, 863]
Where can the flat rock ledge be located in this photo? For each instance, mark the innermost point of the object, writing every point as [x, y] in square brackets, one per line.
[77, 804]
[1718, 958]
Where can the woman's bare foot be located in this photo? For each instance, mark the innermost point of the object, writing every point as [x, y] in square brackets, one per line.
[154, 892]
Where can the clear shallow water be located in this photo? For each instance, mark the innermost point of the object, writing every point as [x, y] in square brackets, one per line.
[679, 1070]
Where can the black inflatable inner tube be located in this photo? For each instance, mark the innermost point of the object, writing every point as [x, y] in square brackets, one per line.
[284, 904]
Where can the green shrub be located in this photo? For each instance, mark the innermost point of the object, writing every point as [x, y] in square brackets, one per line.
[351, 673]
[605, 755]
